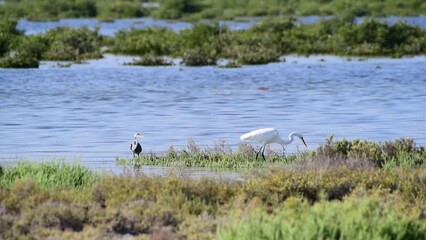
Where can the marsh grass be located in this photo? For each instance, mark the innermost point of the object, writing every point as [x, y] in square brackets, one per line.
[220, 155]
[326, 194]
[48, 175]
[322, 203]
[401, 152]
[354, 218]
[355, 154]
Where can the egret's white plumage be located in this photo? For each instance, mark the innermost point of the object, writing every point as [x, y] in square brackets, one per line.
[270, 135]
[135, 146]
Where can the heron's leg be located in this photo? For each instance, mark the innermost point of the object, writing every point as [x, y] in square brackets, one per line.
[263, 152]
[283, 150]
[260, 149]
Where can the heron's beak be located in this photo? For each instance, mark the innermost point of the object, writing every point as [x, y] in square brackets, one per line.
[303, 140]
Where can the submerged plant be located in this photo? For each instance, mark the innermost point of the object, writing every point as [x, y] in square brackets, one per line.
[151, 60]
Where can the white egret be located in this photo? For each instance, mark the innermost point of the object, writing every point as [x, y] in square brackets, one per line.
[135, 146]
[270, 135]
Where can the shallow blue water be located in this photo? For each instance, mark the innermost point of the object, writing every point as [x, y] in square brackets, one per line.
[110, 28]
[90, 111]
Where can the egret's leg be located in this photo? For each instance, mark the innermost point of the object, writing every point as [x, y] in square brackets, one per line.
[257, 154]
[283, 151]
[263, 152]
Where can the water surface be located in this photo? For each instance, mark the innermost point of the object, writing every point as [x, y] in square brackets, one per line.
[90, 111]
[110, 28]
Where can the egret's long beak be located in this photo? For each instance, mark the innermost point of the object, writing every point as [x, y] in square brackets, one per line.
[303, 140]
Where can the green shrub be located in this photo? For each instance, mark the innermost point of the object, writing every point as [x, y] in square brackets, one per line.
[149, 41]
[49, 175]
[173, 9]
[354, 218]
[66, 201]
[8, 35]
[72, 44]
[19, 60]
[401, 152]
[194, 57]
[119, 9]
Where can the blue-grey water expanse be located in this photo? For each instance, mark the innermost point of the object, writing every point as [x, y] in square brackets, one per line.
[110, 28]
[90, 111]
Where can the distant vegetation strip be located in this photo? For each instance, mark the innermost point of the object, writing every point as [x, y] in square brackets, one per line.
[50, 200]
[205, 9]
[357, 153]
[206, 44]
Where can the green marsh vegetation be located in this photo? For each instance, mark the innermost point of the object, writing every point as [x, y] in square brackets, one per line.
[209, 43]
[205, 9]
[205, 44]
[50, 200]
[63, 43]
[356, 153]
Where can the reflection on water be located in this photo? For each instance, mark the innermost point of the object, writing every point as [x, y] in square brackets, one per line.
[90, 111]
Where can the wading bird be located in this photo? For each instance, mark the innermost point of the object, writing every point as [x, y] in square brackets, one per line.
[135, 146]
[270, 135]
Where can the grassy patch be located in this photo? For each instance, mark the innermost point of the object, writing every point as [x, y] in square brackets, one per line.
[51, 201]
[219, 156]
[354, 218]
[48, 175]
[401, 152]
[355, 154]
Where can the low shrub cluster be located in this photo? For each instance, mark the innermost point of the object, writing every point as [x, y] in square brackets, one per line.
[207, 43]
[354, 218]
[48, 175]
[198, 9]
[355, 154]
[219, 156]
[66, 201]
[62, 43]
[401, 152]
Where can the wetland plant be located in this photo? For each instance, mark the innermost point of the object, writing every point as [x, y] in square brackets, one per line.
[48, 175]
[199, 9]
[400, 152]
[355, 154]
[206, 43]
[219, 156]
[44, 202]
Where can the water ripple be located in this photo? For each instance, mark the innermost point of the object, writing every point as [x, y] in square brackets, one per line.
[90, 112]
